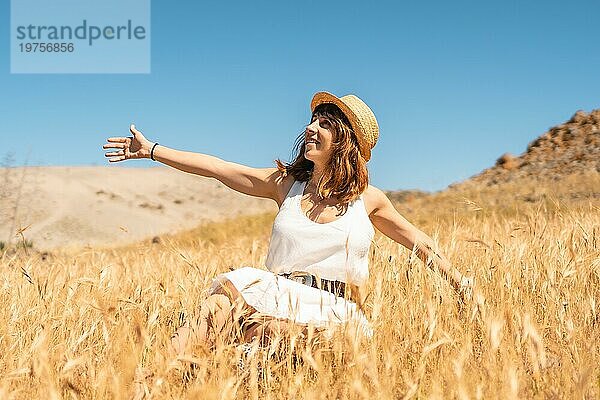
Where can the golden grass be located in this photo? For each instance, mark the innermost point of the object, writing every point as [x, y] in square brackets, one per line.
[80, 323]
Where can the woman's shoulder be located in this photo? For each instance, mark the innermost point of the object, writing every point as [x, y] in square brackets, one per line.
[373, 197]
[284, 184]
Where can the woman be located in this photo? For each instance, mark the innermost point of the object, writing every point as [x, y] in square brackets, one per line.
[318, 253]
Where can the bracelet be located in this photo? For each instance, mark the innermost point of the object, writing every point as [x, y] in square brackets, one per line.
[152, 152]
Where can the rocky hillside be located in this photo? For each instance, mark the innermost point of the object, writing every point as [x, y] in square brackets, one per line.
[569, 148]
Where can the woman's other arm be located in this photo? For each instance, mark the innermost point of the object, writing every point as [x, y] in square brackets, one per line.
[386, 219]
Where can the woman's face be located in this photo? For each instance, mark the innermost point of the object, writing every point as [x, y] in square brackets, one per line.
[318, 140]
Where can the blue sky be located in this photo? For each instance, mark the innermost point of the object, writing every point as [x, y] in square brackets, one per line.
[453, 84]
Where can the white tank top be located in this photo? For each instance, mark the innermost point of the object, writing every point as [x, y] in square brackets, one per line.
[337, 250]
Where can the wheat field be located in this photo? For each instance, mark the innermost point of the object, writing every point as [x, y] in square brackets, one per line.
[96, 322]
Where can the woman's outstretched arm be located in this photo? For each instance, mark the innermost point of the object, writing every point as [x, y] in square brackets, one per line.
[386, 219]
[259, 182]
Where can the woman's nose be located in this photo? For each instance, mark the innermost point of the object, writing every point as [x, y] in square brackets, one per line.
[314, 126]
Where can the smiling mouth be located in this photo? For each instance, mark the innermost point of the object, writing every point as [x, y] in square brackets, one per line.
[311, 141]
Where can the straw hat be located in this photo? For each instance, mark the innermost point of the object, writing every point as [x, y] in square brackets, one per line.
[360, 116]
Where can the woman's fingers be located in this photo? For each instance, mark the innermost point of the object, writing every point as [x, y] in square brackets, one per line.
[117, 143]
[116, 156]
[114, 146]
[117, 139]
[120, 144]
[123, 148]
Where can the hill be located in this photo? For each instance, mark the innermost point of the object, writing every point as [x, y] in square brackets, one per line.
[74, 206]
[569, 148]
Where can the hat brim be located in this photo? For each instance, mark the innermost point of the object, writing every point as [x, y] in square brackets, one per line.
[328, 98]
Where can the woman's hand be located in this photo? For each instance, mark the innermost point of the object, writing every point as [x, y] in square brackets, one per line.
[128, 147]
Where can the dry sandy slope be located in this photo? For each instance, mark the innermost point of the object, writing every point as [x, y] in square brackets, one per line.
[75, 206]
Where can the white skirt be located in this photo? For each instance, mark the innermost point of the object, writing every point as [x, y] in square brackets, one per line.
[283, 298]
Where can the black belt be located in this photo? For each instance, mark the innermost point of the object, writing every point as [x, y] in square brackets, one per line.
[338, 288]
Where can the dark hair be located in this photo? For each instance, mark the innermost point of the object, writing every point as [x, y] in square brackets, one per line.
[346, 175]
